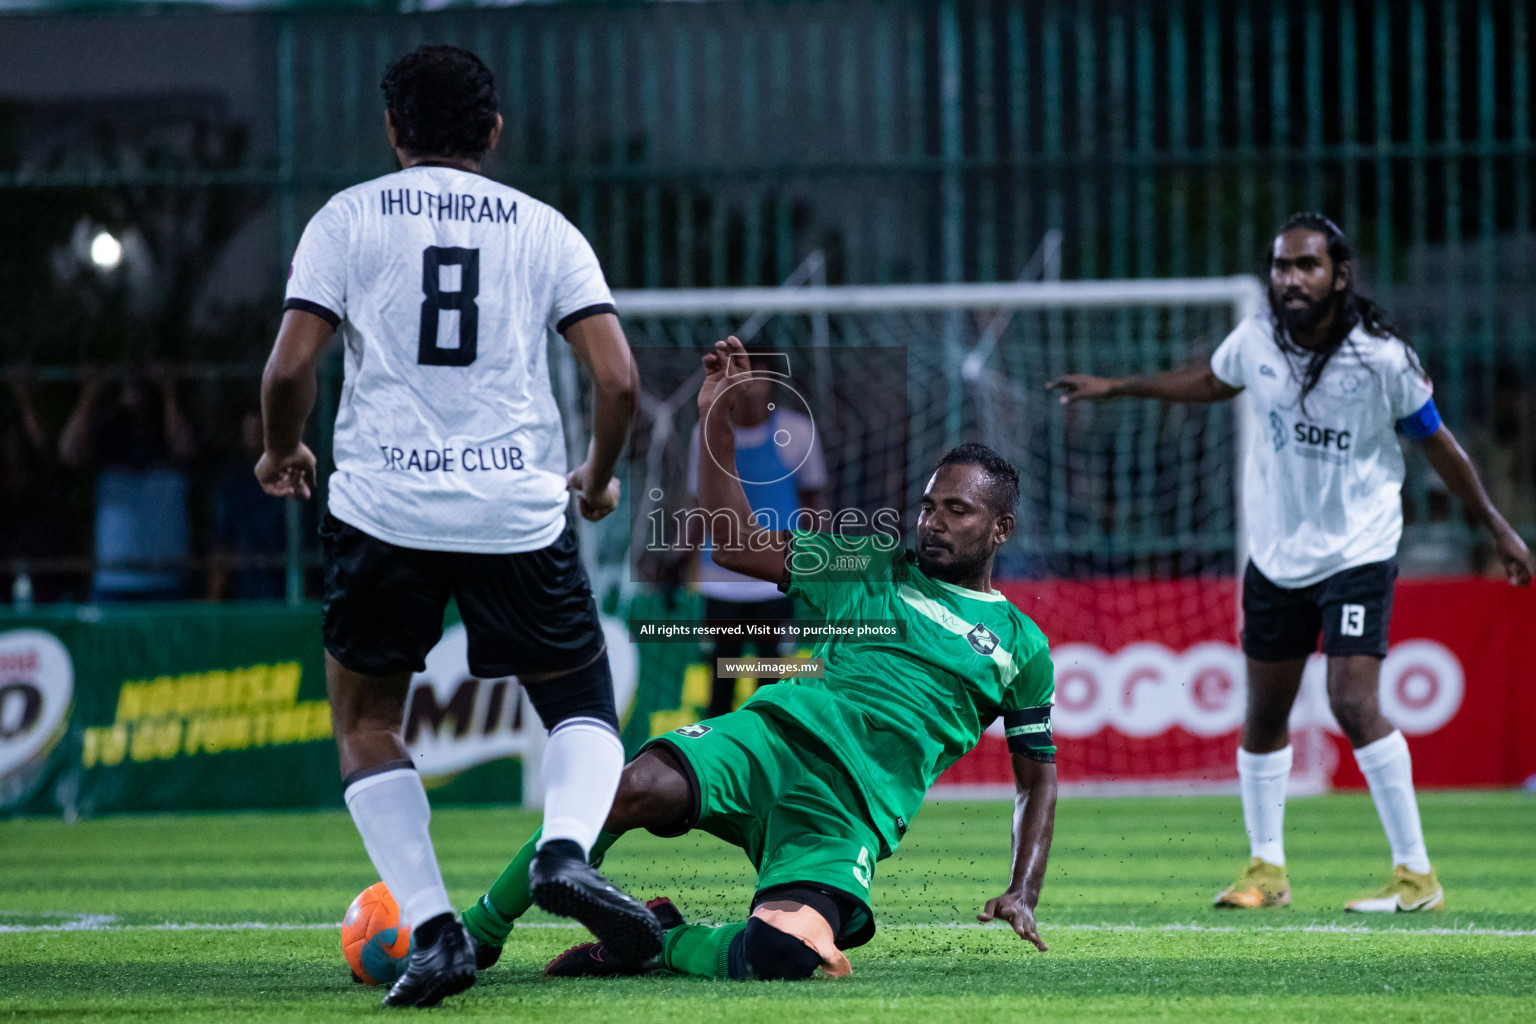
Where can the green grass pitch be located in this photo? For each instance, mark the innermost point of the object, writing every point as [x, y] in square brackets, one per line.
[84, 911]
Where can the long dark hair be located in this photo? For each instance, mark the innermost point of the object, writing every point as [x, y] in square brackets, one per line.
[1350, 306]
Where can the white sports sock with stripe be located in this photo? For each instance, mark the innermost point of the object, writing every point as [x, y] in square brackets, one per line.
[1262, 778]
[392, 815]
[1388, 770]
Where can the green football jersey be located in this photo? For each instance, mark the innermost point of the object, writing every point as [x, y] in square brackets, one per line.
[896, 713]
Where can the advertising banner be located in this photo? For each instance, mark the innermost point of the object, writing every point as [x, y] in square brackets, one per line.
[171, 707]
[199, 707]
[1150, 684]
[191, 707]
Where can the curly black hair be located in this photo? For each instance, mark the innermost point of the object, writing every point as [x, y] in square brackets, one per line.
[443, 100]
[1003, 495]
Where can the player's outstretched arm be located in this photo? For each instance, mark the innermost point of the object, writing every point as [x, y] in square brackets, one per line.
[287, 466]
[738, 543]
[1194, 383]
[599, 345]
[1460, 476]
[1034, 820]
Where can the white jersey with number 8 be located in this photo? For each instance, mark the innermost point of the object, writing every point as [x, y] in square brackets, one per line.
[443, 285]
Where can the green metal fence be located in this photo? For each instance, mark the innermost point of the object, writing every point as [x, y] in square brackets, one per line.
[711, 144]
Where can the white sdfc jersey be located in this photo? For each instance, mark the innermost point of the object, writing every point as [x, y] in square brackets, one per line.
[1322, 482]
[443, 285]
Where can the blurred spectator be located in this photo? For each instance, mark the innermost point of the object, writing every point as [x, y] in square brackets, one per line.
[246, 524]
[135, 435]
[34, 499]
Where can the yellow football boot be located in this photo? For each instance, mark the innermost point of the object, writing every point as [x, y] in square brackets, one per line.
[1407, 892]
[1261, 884]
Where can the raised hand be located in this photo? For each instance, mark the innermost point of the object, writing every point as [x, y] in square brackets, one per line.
[724, 365]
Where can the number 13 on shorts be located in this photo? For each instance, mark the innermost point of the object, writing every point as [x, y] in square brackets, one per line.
[1352, 620]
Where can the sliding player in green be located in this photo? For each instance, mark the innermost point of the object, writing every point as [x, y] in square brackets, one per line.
[819, 779]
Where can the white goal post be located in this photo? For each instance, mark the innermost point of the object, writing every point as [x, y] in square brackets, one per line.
[1244, 294]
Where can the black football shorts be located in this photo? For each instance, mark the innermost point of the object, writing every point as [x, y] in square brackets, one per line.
[527, 612]
[1351, 609]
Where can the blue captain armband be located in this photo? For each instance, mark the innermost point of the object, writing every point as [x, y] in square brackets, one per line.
[1029, 733]
[1421, 424]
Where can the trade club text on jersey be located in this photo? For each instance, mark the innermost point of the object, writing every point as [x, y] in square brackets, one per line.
[450, 460]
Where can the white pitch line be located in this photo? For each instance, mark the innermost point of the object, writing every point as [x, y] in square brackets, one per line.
[104, 923]
[86, 925]
[1330, 929]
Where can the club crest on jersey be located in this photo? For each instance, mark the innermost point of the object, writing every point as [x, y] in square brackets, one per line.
[1346, 385]
[1265, 371]
[694, 731]
[983, 640]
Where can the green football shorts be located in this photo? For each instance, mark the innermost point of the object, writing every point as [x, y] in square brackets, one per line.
[796, 814]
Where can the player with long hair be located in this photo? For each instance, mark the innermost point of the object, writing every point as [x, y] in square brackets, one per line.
[1331, 386]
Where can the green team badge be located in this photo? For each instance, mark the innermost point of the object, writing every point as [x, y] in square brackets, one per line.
[983, 640]
[693, 732]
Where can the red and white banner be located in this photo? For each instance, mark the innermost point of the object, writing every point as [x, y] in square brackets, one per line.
[1150, 684]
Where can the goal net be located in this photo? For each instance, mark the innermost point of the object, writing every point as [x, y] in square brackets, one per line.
[1129, 538]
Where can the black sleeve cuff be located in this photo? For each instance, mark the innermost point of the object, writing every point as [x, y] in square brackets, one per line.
[305, 306]
[581, 314]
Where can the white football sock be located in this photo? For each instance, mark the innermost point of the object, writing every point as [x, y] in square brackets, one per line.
[582, 762]
[1262, 779]
[392, 814]
[1389, 771]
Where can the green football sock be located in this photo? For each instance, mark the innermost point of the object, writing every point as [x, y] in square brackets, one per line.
[703, 951]
[491, 918]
